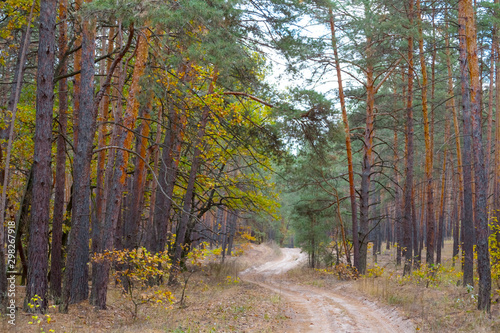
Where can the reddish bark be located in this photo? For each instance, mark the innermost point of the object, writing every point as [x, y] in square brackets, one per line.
[114, 200]
[40, 208]
[468, 222]
[58, 214]
[345, 120]
[480, 175]
[428, 147]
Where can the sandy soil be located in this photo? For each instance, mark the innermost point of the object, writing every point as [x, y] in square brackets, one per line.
[320, 310]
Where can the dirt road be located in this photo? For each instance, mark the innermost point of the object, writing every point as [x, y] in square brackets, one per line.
[320, 310]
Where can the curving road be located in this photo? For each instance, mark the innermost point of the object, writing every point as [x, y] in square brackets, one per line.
[319, 310]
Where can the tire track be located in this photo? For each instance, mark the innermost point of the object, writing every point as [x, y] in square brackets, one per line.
[319, 310]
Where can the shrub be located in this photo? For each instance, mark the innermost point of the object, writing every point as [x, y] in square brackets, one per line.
[139, 269]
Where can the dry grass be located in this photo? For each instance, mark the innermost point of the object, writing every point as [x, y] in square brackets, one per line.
[438, 304]
[216, 301]
[435, 304]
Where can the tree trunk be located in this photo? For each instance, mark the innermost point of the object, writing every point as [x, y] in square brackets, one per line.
[149, 230]
[352, 189]
[408, 187]
[60, 181]
[397, 193]
[101, 156]
[133, 218]
[451, 106]
[480, 176]
[76, 278]
[77, 66]
[468, 223]
[428, 147]
[415, 244]
[114, 200]
[490, 106]
[455, 224]
[97, 234]
[496, 173]
[232, 231]
[167, 178]
[440, 235]
[188, 197]
[38, 245]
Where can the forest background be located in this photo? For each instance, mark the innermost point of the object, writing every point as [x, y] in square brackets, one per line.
[148, 129]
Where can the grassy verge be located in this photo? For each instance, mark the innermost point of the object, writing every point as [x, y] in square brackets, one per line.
[434, 302]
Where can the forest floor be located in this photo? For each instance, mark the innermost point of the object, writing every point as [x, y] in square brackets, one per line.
[269, 289]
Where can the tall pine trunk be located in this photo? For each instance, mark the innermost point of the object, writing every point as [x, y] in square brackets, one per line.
[496, 173]
[115, 193]
[60, 181]
[480, 174]
[76, 275]
[428, 147]
[40, 208]
[440, 234]
[468, 222]
[345, 120]
[408, 187]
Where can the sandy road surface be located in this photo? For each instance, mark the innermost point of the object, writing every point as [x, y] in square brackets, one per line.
[320, 310]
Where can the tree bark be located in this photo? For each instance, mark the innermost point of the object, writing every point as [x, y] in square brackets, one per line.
[496, 173]
[232, 230]
[167, 177]
[38, 246]
[101, 157]
[150, 230]
[408, 187]
[480, 175]
[133, 218]
[455, 223]
[468, 222]
[345, 120]
[60, 181]
[97, 245]
[428, 148]
[168, 171]
[76, 278]
[113, 204]
[188, 197]
[440, 235]
[398, 228]
[77, 66]
[452, 107]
